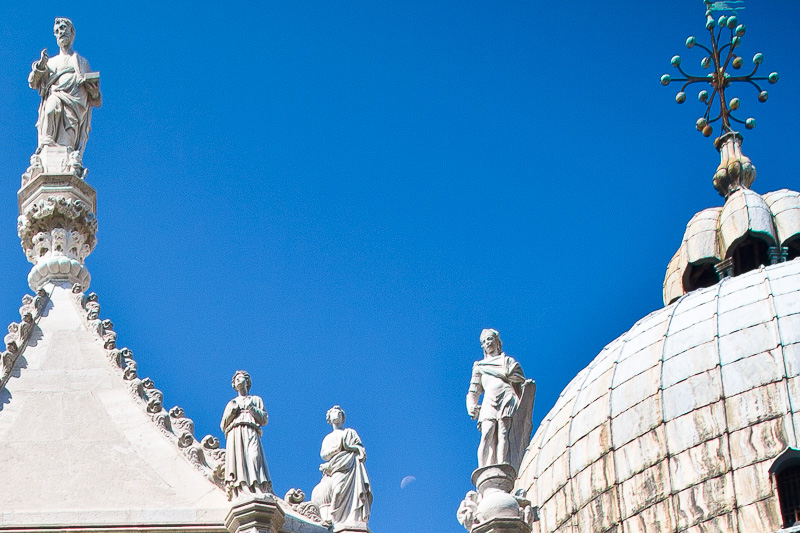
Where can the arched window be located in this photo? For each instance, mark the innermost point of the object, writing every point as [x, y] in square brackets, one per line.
[786, 472]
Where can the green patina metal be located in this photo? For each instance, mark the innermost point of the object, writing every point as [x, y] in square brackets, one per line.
[726, 37]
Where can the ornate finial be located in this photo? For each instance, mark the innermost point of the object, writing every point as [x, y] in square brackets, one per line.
[735, 170]
[721, 56]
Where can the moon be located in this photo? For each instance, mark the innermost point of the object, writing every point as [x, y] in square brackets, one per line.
[408, 480]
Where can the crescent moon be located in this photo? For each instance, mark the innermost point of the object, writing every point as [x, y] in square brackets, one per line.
[408, 480]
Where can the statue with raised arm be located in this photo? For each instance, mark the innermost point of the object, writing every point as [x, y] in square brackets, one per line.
[504, 416]
[245, 467]
[344, 495]
[69, 90]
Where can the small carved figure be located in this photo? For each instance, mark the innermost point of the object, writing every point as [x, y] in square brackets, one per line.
[468, 510]
[33, 170]
[344, 495]
[504, 417]
[74, 165]
[245, 467]
[69, 90]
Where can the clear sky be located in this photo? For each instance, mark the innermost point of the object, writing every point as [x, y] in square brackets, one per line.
[338, 196]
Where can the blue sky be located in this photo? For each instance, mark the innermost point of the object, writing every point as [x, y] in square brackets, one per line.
[339, 196]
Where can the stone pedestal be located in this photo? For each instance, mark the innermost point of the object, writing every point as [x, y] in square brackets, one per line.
[57, 228]
[502, 525]
[351, 528]
[257, 515]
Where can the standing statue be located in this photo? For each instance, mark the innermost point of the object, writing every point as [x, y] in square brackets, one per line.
[344, 495]
[69, 91]
[504, 417]
[245, 467]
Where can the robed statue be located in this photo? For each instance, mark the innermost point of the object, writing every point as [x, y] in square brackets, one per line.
[69, 90]
[344, 495]
[504, 416]
[246, 470]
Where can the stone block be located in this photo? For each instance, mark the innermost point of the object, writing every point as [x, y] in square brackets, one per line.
[706, 460]
[591, 416]
[754, 371]
[644, 333]
[636, 421]
[647, 357]
[644, 489]
[600, 514]
[785, 284]
[501, 525]
[590, 447]
[758, 442]
[262, 515]
[746, 316]
[593, 480]
[703, 501]
[689, 363]
[692, 393]
[748, 341]
[694, 335]
[683, 318]
[725, 523]
[556, 509]
[756, 405]
[553, 478]
[554, 447]
[640, 453]
[763, 515]
[635, 390]
[655, 519]
[788, 303]
[594, 390]
[752, 483]
[740, 291]
[790, 328]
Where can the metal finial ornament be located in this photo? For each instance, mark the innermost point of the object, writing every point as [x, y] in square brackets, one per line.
[722, 55]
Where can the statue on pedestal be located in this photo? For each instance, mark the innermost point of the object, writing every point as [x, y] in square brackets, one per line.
[344, 495]
[504, 420]
[245, 467]
[504, 417]
[69, 90]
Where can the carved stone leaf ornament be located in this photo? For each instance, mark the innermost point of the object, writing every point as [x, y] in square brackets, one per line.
[19, 333]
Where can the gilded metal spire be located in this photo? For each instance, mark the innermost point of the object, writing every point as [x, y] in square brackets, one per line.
[726, 37]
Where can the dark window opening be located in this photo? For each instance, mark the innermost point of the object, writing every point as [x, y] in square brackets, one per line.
[794, 248]
[699, 277]
[749, 255]
[789, 495]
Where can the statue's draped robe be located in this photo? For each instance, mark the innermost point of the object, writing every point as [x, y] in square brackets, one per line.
[506, 394]
[245, 465]
[345, 489]
[65, 111]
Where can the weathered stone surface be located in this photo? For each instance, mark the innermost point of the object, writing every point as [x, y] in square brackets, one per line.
[763, 515]
[700, 409]
[600, 514]
[706, 500]
[706, 460]
[644, 489]
[655, 519]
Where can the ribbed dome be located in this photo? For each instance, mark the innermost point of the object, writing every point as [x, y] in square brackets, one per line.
[676, 423]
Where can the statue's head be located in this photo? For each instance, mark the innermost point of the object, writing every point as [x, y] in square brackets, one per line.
[490, 342]
[335, 414]
[241, 377]
[64, 31]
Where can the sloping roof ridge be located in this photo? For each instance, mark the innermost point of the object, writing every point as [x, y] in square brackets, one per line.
[205, 455]
[19, 333]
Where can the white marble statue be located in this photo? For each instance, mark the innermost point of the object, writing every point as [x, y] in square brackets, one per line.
[344, 495]
[246, 470]
[69, 91]
[504, 416]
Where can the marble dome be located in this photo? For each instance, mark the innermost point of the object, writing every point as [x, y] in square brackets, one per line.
[675, 424]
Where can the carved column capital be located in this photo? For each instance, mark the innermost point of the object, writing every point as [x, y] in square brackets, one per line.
[57, 228]
[256, 515]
